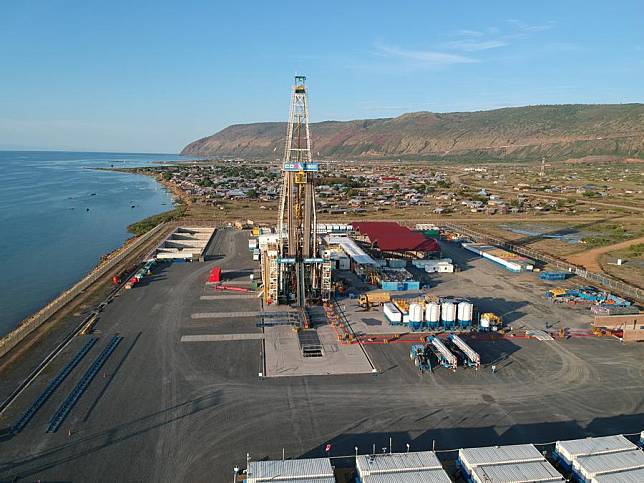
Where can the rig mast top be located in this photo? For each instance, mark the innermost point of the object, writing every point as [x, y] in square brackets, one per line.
[300, 265]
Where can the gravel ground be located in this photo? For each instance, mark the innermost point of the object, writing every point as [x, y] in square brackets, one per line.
[166, 410]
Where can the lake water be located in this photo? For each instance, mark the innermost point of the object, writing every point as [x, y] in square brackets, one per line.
[58, 217]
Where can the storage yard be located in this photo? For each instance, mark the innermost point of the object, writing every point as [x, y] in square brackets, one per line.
[183, 383]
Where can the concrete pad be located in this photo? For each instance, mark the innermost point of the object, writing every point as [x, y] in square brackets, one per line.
[284, 358]
[228, 297]
[220, 337]
[224, 315]
[539, 335]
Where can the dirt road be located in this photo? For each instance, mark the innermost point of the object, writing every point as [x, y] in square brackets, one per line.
[590, 259]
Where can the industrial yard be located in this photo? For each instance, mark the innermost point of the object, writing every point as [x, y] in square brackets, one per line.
[357, 351]
[181, 396]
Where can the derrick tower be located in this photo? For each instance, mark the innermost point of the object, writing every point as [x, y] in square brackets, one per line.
[302, 275]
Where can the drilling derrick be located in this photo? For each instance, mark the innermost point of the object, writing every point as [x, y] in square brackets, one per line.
[301, 273]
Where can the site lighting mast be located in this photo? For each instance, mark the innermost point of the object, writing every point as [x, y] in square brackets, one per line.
[300, 267]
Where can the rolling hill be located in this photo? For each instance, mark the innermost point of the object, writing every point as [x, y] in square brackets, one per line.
[517, 133]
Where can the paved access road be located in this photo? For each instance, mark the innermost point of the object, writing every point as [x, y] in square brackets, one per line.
[166, 410]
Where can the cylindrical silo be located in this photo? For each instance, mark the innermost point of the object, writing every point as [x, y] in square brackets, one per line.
[448, 314]
[415, 316]
[465, 312]
[433, 315]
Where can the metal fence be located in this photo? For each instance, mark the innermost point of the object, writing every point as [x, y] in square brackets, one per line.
[608, 282]
[30, 324]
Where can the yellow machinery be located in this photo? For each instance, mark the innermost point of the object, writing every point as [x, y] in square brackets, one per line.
[557, 292]
[375, 298]
[403, 303]
[491, 320]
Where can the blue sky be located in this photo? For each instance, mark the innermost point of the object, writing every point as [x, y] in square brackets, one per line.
[151, 76]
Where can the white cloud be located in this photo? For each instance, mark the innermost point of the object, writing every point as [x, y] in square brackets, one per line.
[425, 57]
[474, 45]
[524, 27]
[469, 33]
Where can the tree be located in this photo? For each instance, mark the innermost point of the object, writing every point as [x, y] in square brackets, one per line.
[351, 192]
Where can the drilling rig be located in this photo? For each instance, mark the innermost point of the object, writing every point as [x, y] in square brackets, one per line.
[294, 272]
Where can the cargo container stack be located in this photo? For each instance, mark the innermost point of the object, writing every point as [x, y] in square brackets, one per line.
[521, 462]
[602, 459]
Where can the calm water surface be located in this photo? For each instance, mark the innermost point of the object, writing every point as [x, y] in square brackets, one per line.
[58, 217]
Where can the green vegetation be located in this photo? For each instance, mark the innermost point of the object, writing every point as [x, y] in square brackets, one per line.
[205, 183]
[146, 224]
[351, 192]
[610, 235]
[590, 194]
[636, 250]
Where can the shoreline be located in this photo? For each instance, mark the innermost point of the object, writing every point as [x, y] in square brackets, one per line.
[58, 304]
[176, 191]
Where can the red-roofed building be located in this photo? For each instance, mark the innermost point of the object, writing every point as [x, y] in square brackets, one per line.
[389, 236]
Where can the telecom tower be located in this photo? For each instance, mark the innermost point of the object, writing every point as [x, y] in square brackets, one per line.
[299, 274]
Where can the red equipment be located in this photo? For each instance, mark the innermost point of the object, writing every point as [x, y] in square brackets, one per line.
[215, 275]
[232, 288]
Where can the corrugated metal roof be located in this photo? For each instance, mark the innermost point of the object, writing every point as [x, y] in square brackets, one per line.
[593, 465]
[302, 480]
[517, 472]
[349, 246]
[568, 450]
[396, 462]
[390, 236]
[279, 470]
[517, 453]
[630, 476]
[425, 476]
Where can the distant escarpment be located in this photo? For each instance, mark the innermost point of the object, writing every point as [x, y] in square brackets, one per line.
[516, 133]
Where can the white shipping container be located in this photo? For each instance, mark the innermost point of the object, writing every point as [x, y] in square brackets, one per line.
[589, 466]
[568, 450]
[392, 313]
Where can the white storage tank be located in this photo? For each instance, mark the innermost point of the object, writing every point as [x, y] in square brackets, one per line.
[448, 313]
[433, 313]
[415, 313]
[415, 316]
[465, 312]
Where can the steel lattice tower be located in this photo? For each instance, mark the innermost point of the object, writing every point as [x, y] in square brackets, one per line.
[300, 267]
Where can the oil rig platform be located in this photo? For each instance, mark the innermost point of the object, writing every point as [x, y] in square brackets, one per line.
[293, 270]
